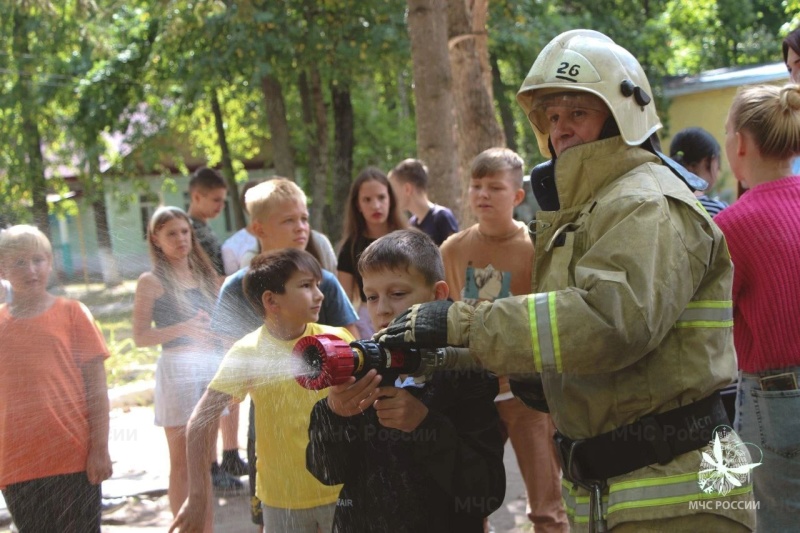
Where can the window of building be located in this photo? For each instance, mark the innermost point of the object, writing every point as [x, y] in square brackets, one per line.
[148, 203]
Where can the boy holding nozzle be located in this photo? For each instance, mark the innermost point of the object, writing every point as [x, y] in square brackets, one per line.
[413, 455]
[283, 286]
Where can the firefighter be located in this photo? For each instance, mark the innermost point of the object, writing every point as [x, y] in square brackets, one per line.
[629, 325]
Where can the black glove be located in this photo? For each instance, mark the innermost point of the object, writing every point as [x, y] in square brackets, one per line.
[421, 326]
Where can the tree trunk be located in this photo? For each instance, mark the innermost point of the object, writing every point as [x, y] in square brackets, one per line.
[436, 143]
[403, 107]
[343, 145]
[109, 268]
[282, 154]
[503, 104]
[32, 139]
[319, 179]
[480, 15]
[472, 89]
[227, 162]
[315, 116]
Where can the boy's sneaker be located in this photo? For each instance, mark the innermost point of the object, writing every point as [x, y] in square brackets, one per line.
[233, 464]
[223, 482]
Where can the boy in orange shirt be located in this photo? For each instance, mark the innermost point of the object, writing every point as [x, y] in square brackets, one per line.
[53, 396]
[490, 260]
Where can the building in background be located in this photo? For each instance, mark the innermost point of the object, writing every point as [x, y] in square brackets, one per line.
[704, 99]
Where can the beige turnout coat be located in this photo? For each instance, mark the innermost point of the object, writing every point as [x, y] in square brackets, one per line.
[630, 314]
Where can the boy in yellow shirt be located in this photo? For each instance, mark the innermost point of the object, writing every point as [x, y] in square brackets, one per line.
[278, 219]
[283, 286]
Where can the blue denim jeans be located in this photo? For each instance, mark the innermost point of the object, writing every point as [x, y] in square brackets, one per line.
[771, 420]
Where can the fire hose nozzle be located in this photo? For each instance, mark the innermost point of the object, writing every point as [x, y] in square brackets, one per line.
[325, 360]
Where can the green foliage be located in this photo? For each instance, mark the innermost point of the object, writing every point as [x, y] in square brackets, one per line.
[145, 68]
[792, 11]
[668, 37]
[36, 44]
[377, 118]
[244, 131]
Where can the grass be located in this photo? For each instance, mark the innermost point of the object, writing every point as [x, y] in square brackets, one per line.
[112, 309]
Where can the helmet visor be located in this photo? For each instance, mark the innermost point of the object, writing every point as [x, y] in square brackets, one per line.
[573, 106]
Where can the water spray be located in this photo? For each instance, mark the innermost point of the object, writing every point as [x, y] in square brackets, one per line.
[326, 360]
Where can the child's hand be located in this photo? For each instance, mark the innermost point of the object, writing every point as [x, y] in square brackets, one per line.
[398, 409]
[352, 397]
[199, 326]
[98, 465]
[191, 518]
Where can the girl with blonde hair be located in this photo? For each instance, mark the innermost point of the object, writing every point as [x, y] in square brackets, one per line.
[762, 230]
[172, 308]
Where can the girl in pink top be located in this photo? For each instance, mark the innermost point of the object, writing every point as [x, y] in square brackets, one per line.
[762, 229]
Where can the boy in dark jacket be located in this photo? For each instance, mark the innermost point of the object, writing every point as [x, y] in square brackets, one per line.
[413, 456]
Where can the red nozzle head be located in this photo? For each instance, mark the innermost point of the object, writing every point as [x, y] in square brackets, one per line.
[322, 361]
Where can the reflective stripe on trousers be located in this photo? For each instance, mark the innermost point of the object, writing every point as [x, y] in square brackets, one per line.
[641, 493]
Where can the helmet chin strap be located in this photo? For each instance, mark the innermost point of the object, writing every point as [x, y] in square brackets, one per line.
[543, 185]
[543, 182]
[692, 180]
[551, 148]
[610, 129]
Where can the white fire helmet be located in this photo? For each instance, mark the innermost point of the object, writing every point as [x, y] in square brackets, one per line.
[590, 62]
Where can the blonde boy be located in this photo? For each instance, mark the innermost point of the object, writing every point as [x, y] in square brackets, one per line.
[278, 219]
[53, 396]
[490, 260]
[412, 456]
[283, 286]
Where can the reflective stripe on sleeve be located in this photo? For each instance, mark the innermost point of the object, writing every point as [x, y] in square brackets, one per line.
[544, 331]
[707, 314]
